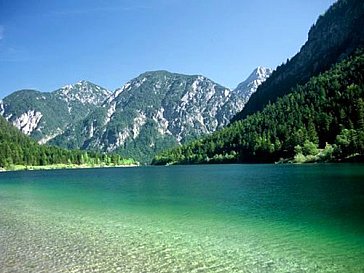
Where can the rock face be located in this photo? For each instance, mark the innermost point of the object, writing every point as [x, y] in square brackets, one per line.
[156, 111]
[2, 110]
[83, 93]
[28, 121]
[250, 85]
[45, 115]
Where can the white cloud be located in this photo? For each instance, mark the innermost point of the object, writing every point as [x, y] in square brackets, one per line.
[1, 32]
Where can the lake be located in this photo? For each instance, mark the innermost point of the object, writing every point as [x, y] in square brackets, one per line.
[213, 218]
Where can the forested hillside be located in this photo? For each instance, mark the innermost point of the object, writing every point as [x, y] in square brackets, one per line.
[329, 109]
[335, 36]
[18, 149]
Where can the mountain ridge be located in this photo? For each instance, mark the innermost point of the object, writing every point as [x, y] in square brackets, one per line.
[333, 37]
[156, 110]
[321, 121]
[51, 112]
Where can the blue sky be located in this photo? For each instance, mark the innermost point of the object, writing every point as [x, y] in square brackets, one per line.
[47, 44]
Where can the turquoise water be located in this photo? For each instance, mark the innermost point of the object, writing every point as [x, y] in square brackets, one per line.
[219, 218]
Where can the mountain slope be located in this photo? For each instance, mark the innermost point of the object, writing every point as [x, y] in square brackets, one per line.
[43, 115]
[335, 36]
[155, 111]
[328, 109]
[19, 149]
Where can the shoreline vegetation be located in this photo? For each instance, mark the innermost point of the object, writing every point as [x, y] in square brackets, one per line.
[19, 152]
[298, 159]
[126, 163]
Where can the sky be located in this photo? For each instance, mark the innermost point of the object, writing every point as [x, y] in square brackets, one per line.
[45, 45]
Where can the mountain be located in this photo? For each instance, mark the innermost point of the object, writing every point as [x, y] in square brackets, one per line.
[249, 86]
[329, 109]
[158, 110]
[18, 151]
[155, 111]
[44, 115]
[336, 35]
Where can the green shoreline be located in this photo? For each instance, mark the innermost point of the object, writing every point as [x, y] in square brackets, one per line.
[351, 159]
[63, 166]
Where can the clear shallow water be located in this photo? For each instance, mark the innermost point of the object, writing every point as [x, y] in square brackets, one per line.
[220, 218]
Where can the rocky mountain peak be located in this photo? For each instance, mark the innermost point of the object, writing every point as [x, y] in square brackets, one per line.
[43, 115]
[84, 92]
[152, 112]
[250, 85]
[262, 72]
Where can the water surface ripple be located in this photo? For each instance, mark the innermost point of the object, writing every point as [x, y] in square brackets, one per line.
[218, 218]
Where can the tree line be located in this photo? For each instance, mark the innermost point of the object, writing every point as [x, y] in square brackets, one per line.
[18, 149]
[321, 120]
